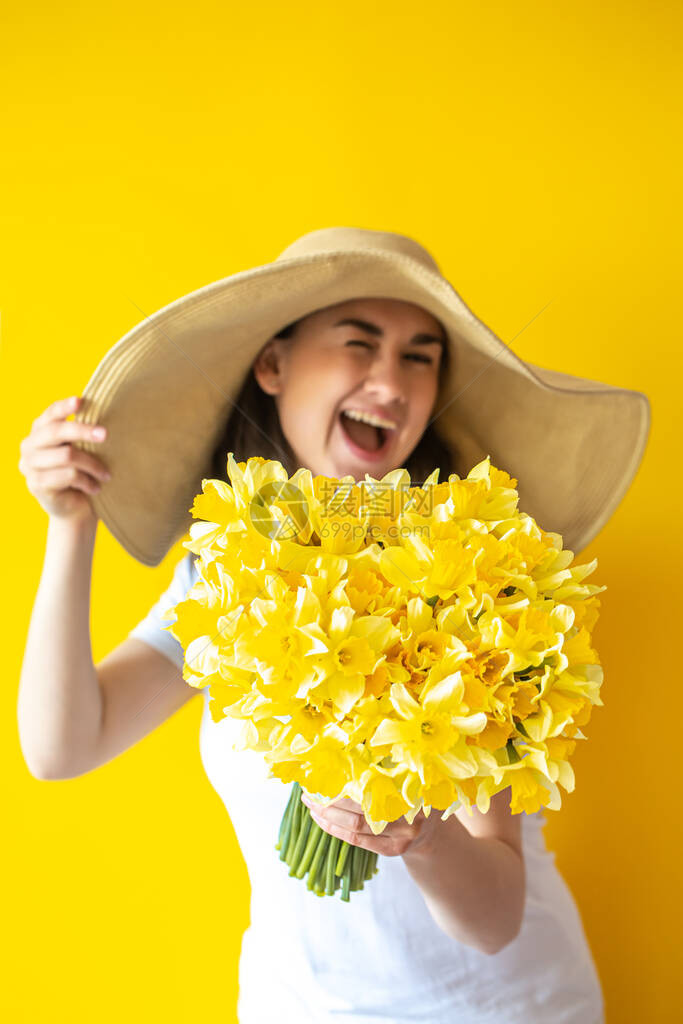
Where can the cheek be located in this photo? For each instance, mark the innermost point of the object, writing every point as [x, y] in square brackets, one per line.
[312, 391]
[420, 395]
[316, 384]
[425, 393]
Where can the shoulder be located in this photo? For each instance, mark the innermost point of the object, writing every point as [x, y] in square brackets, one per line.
[186, 569]
[185, 575]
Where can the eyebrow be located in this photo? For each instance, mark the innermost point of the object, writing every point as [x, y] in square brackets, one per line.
[365, 325]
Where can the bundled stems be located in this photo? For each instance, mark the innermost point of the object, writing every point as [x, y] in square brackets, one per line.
[330, 862]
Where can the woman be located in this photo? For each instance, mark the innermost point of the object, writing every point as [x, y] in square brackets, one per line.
[467, 919]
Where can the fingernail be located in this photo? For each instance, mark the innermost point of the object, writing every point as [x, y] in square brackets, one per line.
[99, 432]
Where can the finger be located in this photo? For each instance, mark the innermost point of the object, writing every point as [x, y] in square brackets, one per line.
[345, 801]
[60, 431]
[343, 818]
[366, 840]
[347, 813]
[59, 409]
[59, 479]
[65, 455]
[349, 804]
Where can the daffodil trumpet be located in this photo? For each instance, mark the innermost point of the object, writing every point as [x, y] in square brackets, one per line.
[411, 647]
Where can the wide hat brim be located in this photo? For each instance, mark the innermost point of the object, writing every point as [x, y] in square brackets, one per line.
[165, 390]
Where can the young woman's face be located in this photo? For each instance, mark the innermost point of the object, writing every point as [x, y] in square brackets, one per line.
[387, 363]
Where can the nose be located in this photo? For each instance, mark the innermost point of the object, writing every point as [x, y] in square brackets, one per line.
[384, 380]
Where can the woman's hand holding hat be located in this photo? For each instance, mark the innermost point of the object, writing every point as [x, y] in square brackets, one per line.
[59, 475]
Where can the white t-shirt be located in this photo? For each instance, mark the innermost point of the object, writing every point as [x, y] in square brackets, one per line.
[380, 957]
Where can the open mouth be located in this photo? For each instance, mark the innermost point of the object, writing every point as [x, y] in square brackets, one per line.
[364, 439]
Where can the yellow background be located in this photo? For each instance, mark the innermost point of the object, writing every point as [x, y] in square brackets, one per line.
[149, 149]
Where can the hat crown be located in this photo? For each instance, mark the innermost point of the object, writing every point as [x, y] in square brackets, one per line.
[355, 239]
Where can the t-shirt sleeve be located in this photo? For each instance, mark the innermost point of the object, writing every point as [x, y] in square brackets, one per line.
[151, 628]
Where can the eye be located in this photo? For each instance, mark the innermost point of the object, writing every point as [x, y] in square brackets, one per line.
[419, 359]
[409, 355]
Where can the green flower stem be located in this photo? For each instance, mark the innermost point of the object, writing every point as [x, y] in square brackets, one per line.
[294, 831]
[362, 868]
[320, 872]
[330, 878]
[355, 874]
[286, 822]
[355, 857]
[286, 827]
[313, 839]
[341, 860]
[346, 878]
[304, 830]
[330, 862]
[283, 823]
[317, 856]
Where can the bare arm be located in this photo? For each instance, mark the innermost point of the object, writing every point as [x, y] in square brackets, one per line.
[470, 870]
[140, 689]
[472, 875]
[75, 716]
[59, 704]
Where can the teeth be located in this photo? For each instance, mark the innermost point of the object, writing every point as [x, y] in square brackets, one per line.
[368, 417]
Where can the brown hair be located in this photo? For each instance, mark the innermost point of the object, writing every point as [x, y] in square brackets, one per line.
[254, 406]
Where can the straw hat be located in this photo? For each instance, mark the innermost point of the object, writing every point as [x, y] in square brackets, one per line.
[166, 388]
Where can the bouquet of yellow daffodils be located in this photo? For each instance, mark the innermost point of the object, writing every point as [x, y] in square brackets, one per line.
[410, 647]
